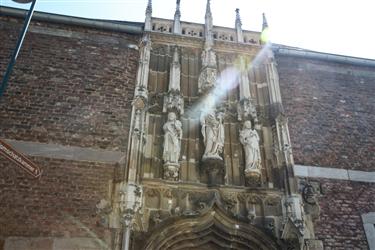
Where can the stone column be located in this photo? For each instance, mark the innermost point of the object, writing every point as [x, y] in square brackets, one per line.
[174, 106]
[130, 203]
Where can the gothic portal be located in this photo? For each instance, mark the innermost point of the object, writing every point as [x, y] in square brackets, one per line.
[209, 164]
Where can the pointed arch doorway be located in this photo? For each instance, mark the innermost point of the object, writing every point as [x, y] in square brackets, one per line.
[213, 230]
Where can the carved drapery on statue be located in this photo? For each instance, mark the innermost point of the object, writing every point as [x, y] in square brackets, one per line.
[172, 146]
[249, 138]
[172, 139]
[213, 134]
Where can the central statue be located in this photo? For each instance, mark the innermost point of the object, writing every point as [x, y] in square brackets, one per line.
[213, 134]
[172, 139]
[249, 138]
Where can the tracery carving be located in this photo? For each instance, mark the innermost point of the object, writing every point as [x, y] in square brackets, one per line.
[207, 79]
[173, 101]
[246, 110]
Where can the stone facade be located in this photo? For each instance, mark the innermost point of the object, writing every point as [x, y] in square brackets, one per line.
[128, 119]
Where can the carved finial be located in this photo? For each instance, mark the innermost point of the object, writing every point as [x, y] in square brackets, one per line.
[238, 18]
[208, 27]
[149, 7]
[265, 24]
[177, 16]
[148, 16]
[238, 25]
[178, 6]
[208, 9]
[173, 100]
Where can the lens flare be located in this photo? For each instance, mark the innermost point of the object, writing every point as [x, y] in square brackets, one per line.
[227, 80]
[265, 36]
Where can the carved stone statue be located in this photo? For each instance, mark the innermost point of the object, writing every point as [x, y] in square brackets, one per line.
[172, 140]
[213, 134]
[250, 141]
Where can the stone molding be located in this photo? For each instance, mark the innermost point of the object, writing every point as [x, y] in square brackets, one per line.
[369, 225]
[57, 151]
[334, 173]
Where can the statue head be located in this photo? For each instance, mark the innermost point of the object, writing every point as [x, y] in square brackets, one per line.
[247, 124]
[171, 116]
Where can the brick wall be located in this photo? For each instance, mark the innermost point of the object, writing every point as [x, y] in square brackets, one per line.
[59, 204]
[342, 204]
[330, 107]
[70, 85]
[331, 112]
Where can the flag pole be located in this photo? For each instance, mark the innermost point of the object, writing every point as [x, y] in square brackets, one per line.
[16, 51]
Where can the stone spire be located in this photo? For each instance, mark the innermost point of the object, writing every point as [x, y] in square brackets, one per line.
[177, 17]
[238, 26]
[148, 16]
[245, 108]
[207, 77]
[173, 100]
[208, 26]
[265, 24]
[174, 79]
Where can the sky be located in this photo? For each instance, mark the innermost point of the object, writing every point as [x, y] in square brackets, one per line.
[342, 27]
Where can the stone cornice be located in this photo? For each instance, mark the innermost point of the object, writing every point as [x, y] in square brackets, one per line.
[334, 173]
[195, 42]
[202, 187]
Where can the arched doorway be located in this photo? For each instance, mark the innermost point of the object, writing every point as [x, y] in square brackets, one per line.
[213, 230]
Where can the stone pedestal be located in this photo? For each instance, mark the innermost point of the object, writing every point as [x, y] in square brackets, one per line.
[252, 177]
[171, 171]
[214, 167]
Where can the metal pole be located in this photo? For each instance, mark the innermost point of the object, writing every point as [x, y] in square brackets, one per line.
[17, 49]
[126, 238]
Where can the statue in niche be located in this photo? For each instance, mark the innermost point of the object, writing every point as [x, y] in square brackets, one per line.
[172, 140]
[249, 138]
[213, 134]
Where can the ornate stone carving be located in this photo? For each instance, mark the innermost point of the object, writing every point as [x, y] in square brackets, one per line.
[207, 79]
[283, 149]
[310, 191]
[238, 26]
[144, 61]
[173, 101]
[293, 219]
[209, 58]
[103, 209]
[177, 17]
[130, 202]
[148, 16]
[249, 138]
[172, 147]
[213, 134]
[208, 74]
[246, 110]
